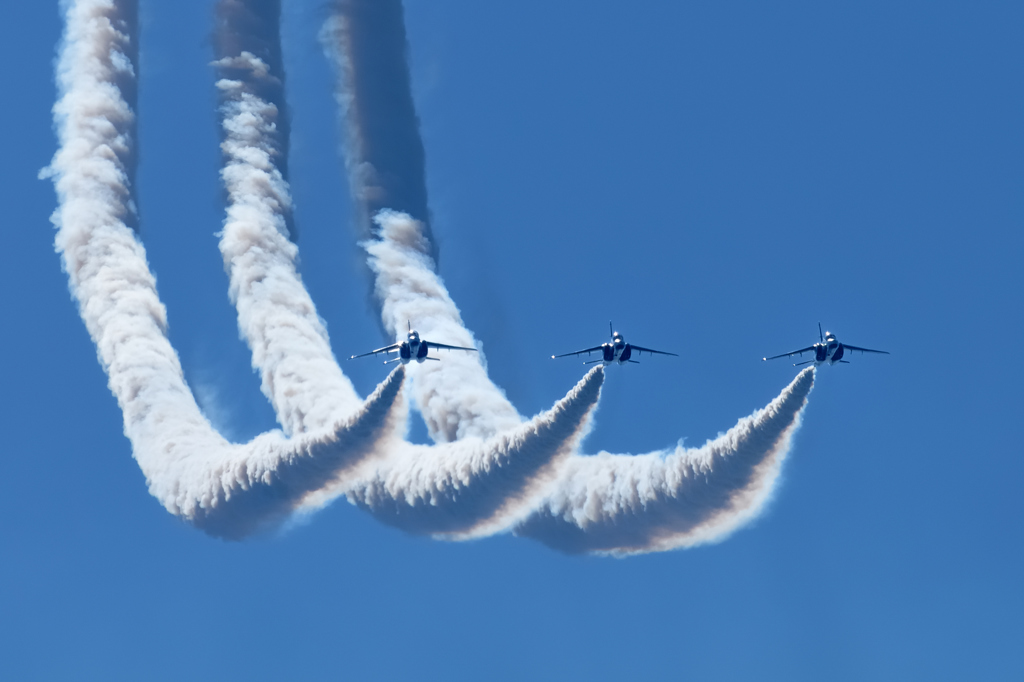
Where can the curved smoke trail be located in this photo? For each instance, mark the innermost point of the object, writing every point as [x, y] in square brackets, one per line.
[665, 500]
[480, 482]
[290, 347]
[229, 489]
[616, 504]
[490, 471]
[478, 486]
[605, 503]
[190, 468]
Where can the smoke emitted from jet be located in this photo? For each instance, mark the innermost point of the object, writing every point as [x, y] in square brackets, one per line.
[365, 39]
[621, 504]
[478, 486]
[456, 397]
[291, 351]
[616, 504]
[250, 487]
[190, 468]
[489, 472]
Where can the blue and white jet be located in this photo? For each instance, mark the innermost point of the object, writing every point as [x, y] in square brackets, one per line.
[413, 348]
[829, 350]
[617, 350]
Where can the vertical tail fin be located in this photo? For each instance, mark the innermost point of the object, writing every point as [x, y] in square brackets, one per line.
[821, 337]
[611, 332]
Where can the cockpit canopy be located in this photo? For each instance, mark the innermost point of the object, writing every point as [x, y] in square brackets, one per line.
[414, 337]
[829, 336]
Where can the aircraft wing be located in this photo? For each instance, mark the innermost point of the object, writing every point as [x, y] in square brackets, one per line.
[579, 352]
[431, 344]
[795, 352]
[641, 349]
[865, 350]
[387, 349]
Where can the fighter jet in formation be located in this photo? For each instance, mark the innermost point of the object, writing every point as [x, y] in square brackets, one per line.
[413, 348]
[617, 350]
[828, 350]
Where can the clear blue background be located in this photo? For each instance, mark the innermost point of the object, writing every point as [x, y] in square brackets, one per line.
[714, 177]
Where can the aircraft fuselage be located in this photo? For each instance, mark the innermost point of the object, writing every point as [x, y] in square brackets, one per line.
[616, 350]
[413, 349]
[830, 351]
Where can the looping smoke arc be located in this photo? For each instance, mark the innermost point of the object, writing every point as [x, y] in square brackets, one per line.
[489, 470]
[227, 489]
[617, 504]
[477, 486]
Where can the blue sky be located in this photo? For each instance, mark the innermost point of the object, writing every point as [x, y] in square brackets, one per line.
[714, 178]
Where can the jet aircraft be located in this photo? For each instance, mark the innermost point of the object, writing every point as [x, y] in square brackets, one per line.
[828, 350]
[413, 348]
[617, 350]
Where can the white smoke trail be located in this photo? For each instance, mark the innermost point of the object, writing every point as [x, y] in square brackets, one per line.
[276, 316]
[244, 488]
[190, 468]
[456, 397]
[366, 43]
[476, 486]
[486, 480]
[621, 505]
[607, 503]
[499, 473]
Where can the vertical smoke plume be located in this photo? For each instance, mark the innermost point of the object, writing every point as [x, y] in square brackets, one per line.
[253, 27]
[384, 153]
[276, 315]
[456, 397]
[621, 505]
[190, 468]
